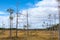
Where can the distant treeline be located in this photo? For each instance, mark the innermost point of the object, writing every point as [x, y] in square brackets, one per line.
[54, 27]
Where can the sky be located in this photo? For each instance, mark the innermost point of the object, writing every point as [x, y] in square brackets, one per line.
[23, 4]
[38, 11]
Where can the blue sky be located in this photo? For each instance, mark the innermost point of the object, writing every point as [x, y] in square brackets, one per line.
[38, 11]
[23, 4]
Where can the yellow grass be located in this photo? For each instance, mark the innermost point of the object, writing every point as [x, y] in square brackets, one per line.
[32, 35]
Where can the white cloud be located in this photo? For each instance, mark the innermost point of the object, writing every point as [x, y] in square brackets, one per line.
[36, 15]
[47, 3]
[42, 9]
[4, 20]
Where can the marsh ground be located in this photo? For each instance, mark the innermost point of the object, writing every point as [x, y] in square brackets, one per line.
[29, 35]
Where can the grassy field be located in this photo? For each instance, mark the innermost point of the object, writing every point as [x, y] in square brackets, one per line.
[29, 35]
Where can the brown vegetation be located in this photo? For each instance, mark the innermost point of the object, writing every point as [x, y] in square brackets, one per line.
[31, 35]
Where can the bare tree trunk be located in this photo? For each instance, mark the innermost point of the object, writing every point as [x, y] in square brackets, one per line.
[59, 16]
[59, 19]
[27, 25]
[17, 21]
[11, 25]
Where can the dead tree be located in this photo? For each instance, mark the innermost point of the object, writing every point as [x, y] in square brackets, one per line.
[10, 10]
[59, 16]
